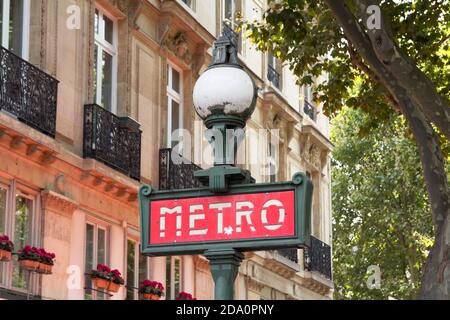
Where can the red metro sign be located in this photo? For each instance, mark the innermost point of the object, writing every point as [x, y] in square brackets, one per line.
[224, 218]
[249, 217]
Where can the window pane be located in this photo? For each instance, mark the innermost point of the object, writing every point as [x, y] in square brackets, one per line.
[168, 277]
[109, 30]
[101, 246]
[22, 237]
[95, 72]
[101, 253]
[97, 22]
[16, 26]
[188, 3]
[142, 267]
[228, 10]
[107, 63]
[176, 114]
[175, 80]
[131, 269]
[89, 263]
[177, 277]
[2, 211]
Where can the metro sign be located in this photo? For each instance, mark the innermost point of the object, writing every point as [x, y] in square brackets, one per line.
[248, 217]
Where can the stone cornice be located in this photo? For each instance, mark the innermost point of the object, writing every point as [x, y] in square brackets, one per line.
[177, 15]
[253, 284]
[57, 202]
[36, 147]
[281, 265]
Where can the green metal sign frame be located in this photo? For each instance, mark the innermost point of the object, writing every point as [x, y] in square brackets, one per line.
[300, 184]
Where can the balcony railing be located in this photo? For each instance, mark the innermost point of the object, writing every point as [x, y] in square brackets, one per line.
[310, 110]
[113, 140]
[318, 258]
[273, 76]
[176, 175]
[290, 253]
[28, 93]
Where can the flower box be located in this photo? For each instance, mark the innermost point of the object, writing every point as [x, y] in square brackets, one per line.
[113, 287]
[30, 265]
[151, 290]
[100, 283]
[45, 268]
[151, 296]
[107, 279]
[5, 255]
[6, 247]
[36, 259]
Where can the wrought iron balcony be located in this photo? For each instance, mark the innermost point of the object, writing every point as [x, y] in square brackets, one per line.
[113, 140]
[176, 175]
[28, 93]
[318, 258]
[273, 76]
[310, 110]
[290, 253]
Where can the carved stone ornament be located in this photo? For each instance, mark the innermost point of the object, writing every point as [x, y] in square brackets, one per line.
[312, 154]
[56, 202]
[179, 46]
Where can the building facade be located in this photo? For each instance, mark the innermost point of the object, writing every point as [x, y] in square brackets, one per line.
[91, 93]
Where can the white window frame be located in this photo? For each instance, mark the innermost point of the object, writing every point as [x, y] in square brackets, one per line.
[25, 27]
[235, 7]
[233, 10]
[112, 50]
[173, 259]
[272, 156]
[190, 7]
[14, 188]
[172, 95]
[137, 254]
[97, 224]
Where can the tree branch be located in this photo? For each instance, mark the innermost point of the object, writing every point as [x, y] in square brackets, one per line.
[356, 61]
[406, 72]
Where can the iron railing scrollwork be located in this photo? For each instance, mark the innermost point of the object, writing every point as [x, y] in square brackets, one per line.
[318, 258]
[273, 76]
[176, 175]
[113, 140]
[28, 93]
[310, 110]
[290, 253]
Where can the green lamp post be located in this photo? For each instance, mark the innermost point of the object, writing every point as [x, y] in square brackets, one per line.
[225, 98]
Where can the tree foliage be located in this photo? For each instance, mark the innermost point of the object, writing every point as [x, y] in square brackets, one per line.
[381, 214]
[305, 35]
[401, 62]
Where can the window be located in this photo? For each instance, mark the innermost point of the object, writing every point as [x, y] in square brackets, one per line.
[274, 70]
[308, 107]
[272, 155]
[173, 277]
[230, 10]
[14, 26]
[137, 269]
[174, 103]
[189, 3]
[105, 60]
[95, 253]
[19, 221]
